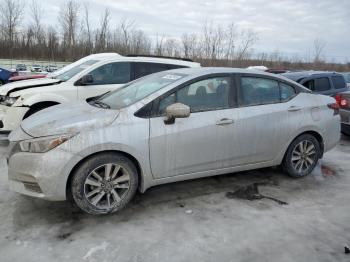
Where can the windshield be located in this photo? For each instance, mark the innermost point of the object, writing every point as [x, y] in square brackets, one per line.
[139, 89]
[75, 70]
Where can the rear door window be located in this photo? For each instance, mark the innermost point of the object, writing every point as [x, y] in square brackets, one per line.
[338, 82]
[322, 84]
[318, 85]
[258, 91]
[143, 69]
[113, 73]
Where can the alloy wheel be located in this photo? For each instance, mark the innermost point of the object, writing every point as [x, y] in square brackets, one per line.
[304, 156]
[107, 185]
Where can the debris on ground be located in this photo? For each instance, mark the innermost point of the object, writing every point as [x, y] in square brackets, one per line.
[189, 211]
[346, 250]
[327, 171]
[251, 192]
[180, 205]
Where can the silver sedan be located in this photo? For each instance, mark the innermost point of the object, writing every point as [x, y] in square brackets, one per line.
[167, 127]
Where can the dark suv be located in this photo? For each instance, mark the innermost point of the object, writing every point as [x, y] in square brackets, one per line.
[325, 83]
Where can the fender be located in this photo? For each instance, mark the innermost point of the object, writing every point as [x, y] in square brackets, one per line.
[42, 97]
[310, 128]
[146, 179]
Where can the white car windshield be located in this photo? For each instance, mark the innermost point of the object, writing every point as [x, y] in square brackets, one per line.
[75, 70]
[139, 89]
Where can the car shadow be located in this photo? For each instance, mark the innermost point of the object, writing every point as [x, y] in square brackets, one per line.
[30, 211]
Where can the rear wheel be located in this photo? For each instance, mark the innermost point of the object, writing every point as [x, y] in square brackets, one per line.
[302, 156]
[104, 184]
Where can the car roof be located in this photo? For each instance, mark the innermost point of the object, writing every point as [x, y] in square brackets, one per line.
[147, 59]
[295, 76]
[201, 71]
[217, 70]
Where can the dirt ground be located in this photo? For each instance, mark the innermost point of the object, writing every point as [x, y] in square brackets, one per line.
[305, 219]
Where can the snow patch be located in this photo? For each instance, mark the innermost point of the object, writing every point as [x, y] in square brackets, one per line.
[93, 250]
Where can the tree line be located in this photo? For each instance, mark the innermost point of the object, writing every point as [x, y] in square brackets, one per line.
[76, 36]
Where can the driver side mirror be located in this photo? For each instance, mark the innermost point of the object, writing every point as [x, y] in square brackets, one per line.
[87, 79]
[177, 110]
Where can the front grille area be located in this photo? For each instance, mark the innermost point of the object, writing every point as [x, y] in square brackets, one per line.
[32, 186]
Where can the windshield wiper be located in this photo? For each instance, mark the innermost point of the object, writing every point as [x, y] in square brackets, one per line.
[100, 104]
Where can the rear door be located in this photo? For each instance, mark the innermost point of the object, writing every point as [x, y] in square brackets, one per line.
[106, 78]
[195, 144]
[268, 115]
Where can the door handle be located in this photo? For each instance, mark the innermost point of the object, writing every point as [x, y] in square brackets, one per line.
[224, 122]
[294, 108]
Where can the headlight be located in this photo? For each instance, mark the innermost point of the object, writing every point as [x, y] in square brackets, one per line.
[41, 145]
[7, 100]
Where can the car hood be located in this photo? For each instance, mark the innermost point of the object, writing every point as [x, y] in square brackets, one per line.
[25, 84]
[68, 118]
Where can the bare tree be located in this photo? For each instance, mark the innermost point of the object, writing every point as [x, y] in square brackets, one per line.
[159, 45]
[68, 19]
[247, 40]
[36, 12]
[319, 46]
[102, 33]
[87, 29]
[10, 17]
[191, 46]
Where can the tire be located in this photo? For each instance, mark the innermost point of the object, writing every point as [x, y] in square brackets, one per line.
[302, 156]
[95, 194]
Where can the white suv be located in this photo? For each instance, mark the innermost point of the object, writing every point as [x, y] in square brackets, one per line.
[91, 76]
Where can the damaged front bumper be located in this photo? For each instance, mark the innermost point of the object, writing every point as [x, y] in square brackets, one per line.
[41, 175]
[11, 117]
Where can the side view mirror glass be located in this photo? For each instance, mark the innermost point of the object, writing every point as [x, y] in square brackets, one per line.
[177, 110]
[87, 79]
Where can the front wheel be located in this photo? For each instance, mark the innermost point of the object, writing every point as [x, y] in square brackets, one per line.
[104, 183]
[302, 156]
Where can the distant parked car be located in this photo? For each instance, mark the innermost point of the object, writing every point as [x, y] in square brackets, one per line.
[26, 77]
[21, 67]
[51, 68]
[167, 127]
[36, 68]
[347, 78]
[5, 75]
[325, 83]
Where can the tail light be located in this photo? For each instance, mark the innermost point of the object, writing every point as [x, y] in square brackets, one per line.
[335, 107]
[342, 101]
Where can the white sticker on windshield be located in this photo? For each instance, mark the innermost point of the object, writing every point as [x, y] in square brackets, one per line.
[172, 77]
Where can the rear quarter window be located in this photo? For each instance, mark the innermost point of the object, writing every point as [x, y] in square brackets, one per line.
[338, 82]
[318, 84]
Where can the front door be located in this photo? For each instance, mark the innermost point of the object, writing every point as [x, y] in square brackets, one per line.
[194, 144]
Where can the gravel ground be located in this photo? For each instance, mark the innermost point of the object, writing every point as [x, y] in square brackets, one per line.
[193, 221]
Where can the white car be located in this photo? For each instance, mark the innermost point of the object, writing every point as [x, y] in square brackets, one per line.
[89, 77]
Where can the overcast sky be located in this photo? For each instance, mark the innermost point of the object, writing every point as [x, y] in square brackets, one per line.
[289, 26]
